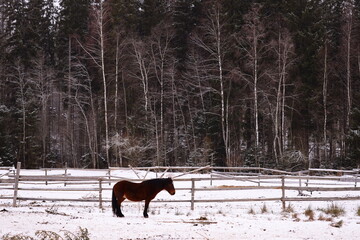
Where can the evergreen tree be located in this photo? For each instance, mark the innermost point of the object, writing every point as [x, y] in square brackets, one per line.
[18, 41]
[305, 23]
[152, 12]
[124, 15]
[41, 16]
[73, 21]
[73, 25]
[185, 17]
[235, 11]
[74, 17]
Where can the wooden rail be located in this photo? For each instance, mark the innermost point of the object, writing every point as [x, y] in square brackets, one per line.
[278, 182]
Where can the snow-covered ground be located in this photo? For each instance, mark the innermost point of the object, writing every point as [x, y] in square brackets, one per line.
[226, 220]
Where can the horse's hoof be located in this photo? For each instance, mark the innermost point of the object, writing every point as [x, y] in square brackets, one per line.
[146, 216]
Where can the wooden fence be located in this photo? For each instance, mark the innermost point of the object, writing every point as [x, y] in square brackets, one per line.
[282, 183]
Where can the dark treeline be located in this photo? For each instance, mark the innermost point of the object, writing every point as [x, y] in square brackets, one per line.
[92, 83]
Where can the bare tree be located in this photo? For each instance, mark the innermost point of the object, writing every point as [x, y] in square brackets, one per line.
[42, 78]
[120, 45]
[283, 48]
[162, 67]
[100, 18]
[251, 44]
[348, 32]
[215, 43]
[195, 87]
[84, 100]
[141, 56]
[96, 51]
[325, 94]
[22, 83]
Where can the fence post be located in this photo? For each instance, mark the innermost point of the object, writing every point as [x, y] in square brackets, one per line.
[192, 193]
[300, 191]
[356, 177]
[283, 192]
[100, 193]
[16, 187]
[65, 174]
[109, 172]
[46, 182]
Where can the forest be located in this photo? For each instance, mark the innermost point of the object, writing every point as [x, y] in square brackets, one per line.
[100, 83]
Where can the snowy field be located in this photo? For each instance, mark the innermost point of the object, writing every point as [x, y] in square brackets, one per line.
[223, 220]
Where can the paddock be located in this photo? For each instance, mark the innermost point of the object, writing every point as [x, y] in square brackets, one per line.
[208, 204]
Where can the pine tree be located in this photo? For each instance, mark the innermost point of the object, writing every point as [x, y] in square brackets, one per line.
[17, 30]
[72, 22]
[236, 11]
[185, 17]
[152, 12]
[124, 15]
[332, 23]
[41, 17]
[305, 23]
[72, 28]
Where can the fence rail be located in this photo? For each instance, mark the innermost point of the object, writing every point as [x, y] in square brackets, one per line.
[277, 182]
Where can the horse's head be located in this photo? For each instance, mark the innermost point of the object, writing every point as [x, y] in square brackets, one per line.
[169, 186]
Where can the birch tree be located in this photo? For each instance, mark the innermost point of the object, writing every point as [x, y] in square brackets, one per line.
[96, 51]
[251, 44]
[22, 83]
[141, 57]
[100, 22]
[43, 80]
[215, 43]
[162, 66]
[283, 49]
[84, 101]
[348, 32]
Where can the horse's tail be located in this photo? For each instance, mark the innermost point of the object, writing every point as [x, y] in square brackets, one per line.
[115, 205]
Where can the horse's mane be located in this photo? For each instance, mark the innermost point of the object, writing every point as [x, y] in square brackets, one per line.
[158, 180]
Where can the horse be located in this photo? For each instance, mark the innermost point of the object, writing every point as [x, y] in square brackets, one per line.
[146, 190]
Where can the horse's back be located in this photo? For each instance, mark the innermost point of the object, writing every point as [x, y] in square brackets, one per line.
[124, 185]
[129, 190]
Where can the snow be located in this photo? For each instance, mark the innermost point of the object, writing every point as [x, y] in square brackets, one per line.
[224, 220]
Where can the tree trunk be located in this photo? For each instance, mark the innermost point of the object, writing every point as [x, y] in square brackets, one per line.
[224, 109]
[116, 93]
[102, 50]
[69, 116]
[256, 111]
[325, 83]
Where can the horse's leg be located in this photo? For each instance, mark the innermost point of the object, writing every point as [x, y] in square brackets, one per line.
[116, 207]
[147, 201]
[120, 214]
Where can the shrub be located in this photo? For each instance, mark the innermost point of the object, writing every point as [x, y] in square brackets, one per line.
[295, 217]
[289, 209]
[48, 235]
[178, 212]
[264, 209]
[251, 211]
[16, 237]
[334, 210]
[309, 213]
[81, 234]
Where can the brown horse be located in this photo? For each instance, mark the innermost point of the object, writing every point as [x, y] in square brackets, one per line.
[146, 190]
